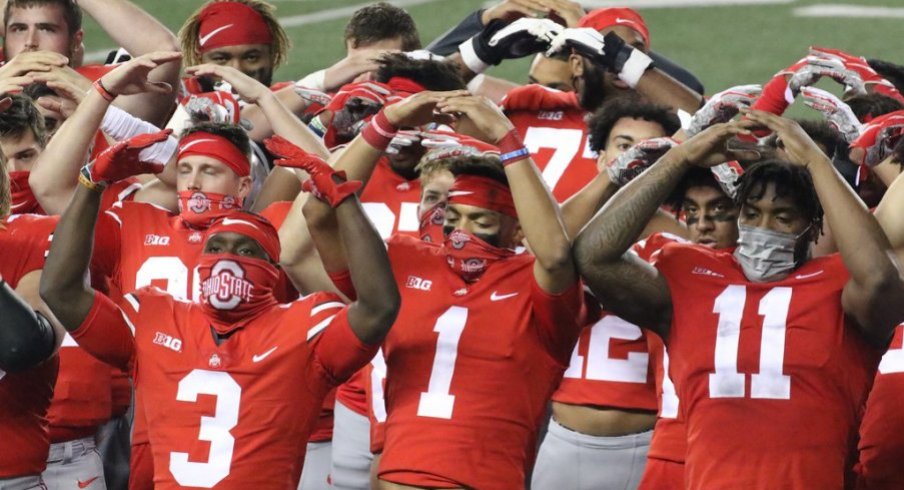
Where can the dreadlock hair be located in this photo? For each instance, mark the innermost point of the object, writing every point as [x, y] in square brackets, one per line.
[604, 119]
[22, 116]
[892, 72]
[72, 13]
[381, 21]
[694, 177]
[789, 180]
[480, 166]
[432, 74]
[870, 106]
[231, 132]
[190, 33]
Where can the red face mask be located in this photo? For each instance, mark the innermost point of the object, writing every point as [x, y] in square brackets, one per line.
[23, 199]
[235, 290]
[469, 256]
[200, 209]
[430, 228]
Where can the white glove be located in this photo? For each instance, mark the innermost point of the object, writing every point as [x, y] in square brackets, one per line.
[722, 107]
[818, 67]
[838, 114]
[638, 158]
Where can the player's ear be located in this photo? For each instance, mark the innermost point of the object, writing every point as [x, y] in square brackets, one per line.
[244, 186]
[601, 161]
[576, 62]
[518, 236]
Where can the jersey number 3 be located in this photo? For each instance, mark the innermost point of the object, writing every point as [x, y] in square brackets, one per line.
[213, 429]
[726, 381]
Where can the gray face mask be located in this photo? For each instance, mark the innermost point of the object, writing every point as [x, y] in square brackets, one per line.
[766, 255]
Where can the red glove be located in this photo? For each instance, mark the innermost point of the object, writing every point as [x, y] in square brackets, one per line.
[325, 183]
[122, 161]
[776, 96]
[861, 67]
[352, 107]
[879, 138]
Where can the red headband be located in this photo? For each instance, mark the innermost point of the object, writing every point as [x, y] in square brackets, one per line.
[214, 146]
[482, 192]
[231, 24]
[600, 19]
[252, 226]
[404, 86]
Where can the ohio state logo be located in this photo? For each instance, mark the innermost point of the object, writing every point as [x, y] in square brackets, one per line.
[439, 216]
[226, 287]
[458, 240]
[473, 265]
[228, 203]
[198, 203]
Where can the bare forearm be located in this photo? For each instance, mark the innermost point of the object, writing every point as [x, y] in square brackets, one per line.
[863, 245]
[285, 124]
[660, 88]
[616, 227]
[64, 285]
[888, 213]
[538, 214]
[130, 26]
[578, 209]
[358, 160]
[378, 298]
[55, 175]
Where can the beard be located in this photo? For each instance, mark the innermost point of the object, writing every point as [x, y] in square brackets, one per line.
[591, 87]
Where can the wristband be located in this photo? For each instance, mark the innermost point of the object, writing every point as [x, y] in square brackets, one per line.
[103, 91]
[634, 67]
[470, 58]
[316, 80]
[511, 148]
[380, 132]
[317, 127]
[87, 182]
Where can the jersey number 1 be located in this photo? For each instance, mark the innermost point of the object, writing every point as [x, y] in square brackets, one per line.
[726, 381]
[437, 402]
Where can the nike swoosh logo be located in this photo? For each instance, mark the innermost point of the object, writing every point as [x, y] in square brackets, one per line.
[195, 142]
[459, 193]
[261, 357]
[618, 20]
[87, 483]
[212, 33]
[229, 221]
[499, 297]
[807, 276]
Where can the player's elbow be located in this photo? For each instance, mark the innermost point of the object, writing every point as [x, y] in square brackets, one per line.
[558, 258]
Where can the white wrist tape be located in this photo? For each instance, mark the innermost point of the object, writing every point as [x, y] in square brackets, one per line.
[470, 59]
[314, 80]
[160, 152]
[120, 125]
[635, 67]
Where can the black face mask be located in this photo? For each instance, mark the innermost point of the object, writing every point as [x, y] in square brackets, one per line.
[591, 86]
[493, 240]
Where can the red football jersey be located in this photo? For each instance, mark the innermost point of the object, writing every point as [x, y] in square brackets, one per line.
[881, 445]
[391, 201]
[238, 414]
[470, 368]
[771, 378]
[25, 396]
[552, 126]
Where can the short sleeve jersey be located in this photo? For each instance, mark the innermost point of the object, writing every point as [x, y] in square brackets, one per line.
[25, 396]
[771, 378]
[881, 445]
[470, 368]
[238, 414]
[551, 124]
[391, 201]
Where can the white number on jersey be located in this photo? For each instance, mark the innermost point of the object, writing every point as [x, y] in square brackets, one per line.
[213, 429]
[436, 401]
[384, 219]
[174, 272]
[669, 404]
[726, 381]
[601, 367]
[565, 142]
[377, 376]
[893, 360]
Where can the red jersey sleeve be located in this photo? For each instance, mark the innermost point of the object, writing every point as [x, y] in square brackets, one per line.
[107, 334]
[25, 243]
[337, 348]
[558, 318]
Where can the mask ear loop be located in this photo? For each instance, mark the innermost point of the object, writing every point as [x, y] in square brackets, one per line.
[802, 252]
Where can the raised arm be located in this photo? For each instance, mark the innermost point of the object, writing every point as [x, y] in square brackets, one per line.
[538, 212]
[630, 287]
[54, 177]
[377, 304]
[140, 34]
[281, 120]
[866, 251]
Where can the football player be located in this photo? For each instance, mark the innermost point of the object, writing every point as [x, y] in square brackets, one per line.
[237, 344]
[786, 338]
